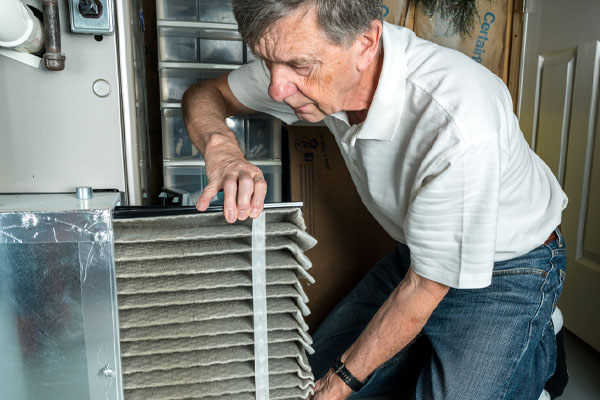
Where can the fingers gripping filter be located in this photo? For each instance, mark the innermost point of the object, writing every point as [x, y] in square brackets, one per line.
[211, 310]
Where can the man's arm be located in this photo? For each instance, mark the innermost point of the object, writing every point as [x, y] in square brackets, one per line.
[395, 325]
[205, 106]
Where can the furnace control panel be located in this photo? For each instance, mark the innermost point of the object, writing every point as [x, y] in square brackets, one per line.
[94, 17]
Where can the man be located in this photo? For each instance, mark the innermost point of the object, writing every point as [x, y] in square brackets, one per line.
[438, 159]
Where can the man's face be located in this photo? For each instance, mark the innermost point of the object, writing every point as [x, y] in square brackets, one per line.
[308, 73]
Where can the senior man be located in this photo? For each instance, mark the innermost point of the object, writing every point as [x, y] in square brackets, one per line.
[438, 158]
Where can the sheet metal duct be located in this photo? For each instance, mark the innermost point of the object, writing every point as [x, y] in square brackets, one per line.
[58, 315]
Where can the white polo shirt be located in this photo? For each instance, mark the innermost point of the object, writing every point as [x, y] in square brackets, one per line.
[440, 160]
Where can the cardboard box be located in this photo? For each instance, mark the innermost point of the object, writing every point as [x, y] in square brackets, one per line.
[350, 241]
[395, 11]
[486, 42]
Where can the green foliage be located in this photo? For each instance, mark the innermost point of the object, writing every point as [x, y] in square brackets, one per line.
[460, 13]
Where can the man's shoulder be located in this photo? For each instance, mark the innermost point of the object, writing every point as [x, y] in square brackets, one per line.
[436, 68]
[468, 92]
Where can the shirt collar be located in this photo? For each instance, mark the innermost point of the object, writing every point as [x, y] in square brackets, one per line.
[385, 111]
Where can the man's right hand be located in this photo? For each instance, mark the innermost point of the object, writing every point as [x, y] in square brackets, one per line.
[243, 183]
[205, 105]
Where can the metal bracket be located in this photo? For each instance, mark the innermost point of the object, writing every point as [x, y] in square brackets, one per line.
[102, 25]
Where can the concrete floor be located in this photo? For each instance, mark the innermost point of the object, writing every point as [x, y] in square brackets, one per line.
[583, 364]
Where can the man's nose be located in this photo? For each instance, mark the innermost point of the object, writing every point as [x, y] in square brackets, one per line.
[281, 85]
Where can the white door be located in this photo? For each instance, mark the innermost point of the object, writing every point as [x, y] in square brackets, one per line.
[558, 111]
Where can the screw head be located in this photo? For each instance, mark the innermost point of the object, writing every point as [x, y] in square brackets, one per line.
[107, 372]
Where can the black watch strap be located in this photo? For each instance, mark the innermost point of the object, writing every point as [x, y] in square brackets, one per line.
[340, 369]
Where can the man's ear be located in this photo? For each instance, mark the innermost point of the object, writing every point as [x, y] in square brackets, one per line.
[368, 44]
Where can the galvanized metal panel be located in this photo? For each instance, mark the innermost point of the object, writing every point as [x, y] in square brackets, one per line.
[58, 323]
[56, 133]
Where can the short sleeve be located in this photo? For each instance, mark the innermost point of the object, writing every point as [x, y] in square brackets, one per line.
[451, 224]
[250, 85]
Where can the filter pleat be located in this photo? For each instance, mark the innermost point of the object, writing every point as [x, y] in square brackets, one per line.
[211, 373]
[164, 346]
[201, 281]
[190, 248]
[285, 321]
[199, 312]
[201, 220]
[224, 387]
[163, 234]
[276, 259]
[145, 300]
[294, 393]
[200, 358]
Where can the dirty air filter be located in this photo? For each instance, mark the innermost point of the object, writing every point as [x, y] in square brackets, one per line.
[185, 298]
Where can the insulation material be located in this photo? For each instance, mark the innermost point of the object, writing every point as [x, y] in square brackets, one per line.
[185, 294]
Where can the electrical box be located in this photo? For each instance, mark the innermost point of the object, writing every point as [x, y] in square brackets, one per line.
[94, 17]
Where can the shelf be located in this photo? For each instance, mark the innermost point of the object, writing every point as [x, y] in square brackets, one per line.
[196, 66]
[164, 105]
[200, 163]
[196, 25]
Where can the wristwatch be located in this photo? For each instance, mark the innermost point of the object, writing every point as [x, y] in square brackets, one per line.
[340, 369]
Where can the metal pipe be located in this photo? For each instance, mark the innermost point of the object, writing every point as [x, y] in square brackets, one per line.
[20, 30]
[54, 59]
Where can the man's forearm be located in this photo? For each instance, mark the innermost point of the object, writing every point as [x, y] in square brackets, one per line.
[205, 106]
[395, 325]
[204, 112]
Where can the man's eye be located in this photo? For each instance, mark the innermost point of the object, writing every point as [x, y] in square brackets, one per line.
[302, 69]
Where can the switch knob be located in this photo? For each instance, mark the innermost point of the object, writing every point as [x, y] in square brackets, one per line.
[90, 8]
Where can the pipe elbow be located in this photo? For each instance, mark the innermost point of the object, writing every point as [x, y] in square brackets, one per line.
[20, 30]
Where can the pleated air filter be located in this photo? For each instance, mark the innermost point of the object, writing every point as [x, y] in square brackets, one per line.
[185, 294]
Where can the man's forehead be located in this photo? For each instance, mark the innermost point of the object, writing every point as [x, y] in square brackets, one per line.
[293, 39]
[291, 59]
[293, 49]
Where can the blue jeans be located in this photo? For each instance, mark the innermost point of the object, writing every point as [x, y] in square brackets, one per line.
[492, 343]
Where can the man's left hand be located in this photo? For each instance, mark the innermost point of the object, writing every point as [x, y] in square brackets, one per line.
[331, 387]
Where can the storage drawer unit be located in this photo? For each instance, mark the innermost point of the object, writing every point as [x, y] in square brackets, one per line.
[198, 40]
[259, 137]
[263, 138]
[176, 142]
[174, 82]
[196, 10]
[200, 45]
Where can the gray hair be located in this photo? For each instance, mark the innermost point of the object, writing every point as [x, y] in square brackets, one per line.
[341, 20]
